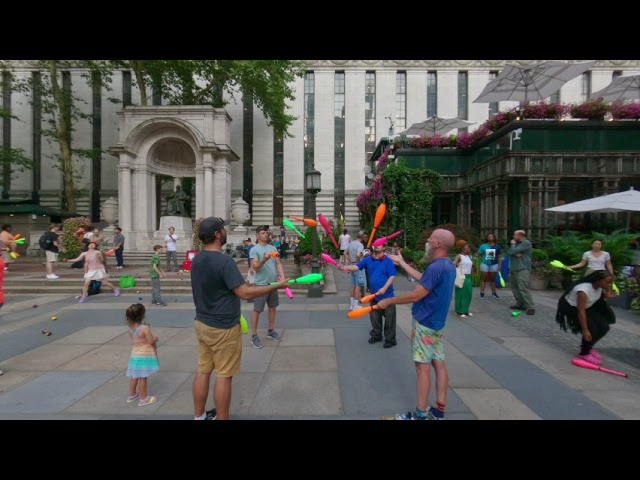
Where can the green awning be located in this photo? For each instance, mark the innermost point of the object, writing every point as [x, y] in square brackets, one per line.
[13, 207]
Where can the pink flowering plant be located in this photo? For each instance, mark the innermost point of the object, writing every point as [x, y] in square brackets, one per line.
[590, 110]
[625, 111]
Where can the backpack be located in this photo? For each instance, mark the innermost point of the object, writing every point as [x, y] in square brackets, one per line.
[45, 241]
[94, 287]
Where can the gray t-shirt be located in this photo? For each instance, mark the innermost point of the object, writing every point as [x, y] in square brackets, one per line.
[268, 273]
[118, 239]
[355, 248]
[214, 275]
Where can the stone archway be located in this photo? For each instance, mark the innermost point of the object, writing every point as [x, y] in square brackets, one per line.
[177, 142]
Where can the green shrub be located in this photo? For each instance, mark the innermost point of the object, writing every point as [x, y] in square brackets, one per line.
[71, 245]
[306, 243]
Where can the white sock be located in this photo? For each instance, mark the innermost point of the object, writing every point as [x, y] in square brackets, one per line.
[352, 302]
[201, 417]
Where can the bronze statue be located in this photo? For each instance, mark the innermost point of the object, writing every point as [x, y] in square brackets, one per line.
[176, 203]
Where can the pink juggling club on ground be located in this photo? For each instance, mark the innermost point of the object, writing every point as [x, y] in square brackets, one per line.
[578, 362]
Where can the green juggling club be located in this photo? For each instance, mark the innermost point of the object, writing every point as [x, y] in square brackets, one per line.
[305, 280]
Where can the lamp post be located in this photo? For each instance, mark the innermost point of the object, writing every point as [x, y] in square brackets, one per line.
[313, 187]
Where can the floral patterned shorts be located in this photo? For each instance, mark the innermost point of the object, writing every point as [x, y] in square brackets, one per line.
[426, 344]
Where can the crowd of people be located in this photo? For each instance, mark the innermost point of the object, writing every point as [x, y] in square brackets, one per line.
[218, 288]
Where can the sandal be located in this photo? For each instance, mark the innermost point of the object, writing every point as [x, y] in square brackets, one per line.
[131, 399]
[148, 401]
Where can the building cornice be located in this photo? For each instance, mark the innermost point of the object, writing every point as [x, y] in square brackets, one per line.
[453, 64]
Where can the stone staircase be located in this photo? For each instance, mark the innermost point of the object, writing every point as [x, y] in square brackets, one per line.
[28, 277]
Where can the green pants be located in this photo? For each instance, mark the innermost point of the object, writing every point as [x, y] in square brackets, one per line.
[520, 288]
[463, 296]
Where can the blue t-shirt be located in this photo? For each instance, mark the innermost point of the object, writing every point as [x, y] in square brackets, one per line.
[438, 278]
[214, 275]
[489, 253]
[379, 272]
[248, 250]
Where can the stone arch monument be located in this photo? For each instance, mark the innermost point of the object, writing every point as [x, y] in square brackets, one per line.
[179, 142]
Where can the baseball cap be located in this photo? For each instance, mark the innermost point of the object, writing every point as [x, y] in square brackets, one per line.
[210, 226]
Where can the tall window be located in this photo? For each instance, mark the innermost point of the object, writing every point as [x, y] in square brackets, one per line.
[126, 89]
[36, 134]
[369, 115]
[6, 132]
[278, 180]
[401, 102]
[616, 74]
[309, 126]
[247, 151]
[555, 98]
[432, 94]
[338, 150]
[494, 107]
[586, 85]
[96, 161]
[463, 98]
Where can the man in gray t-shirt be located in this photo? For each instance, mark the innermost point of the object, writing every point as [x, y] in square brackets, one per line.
[266, 263]
[118, 246]
[355, 253]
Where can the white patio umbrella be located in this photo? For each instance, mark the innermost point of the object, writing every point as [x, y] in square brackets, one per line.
[621, 88]
[627, 201]
[531, 82]
[435, 126]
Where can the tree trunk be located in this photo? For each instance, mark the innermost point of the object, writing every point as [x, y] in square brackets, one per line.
[138, 69]
[62, 134]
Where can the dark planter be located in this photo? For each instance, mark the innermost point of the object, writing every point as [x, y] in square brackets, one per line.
[622, 301]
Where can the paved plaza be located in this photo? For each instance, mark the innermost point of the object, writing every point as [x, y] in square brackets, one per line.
[500, 367]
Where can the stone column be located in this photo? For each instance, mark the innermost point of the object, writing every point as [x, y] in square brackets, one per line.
[124, 197]
[207, 161]
[142, 199]
[199, 191]
[221, 186]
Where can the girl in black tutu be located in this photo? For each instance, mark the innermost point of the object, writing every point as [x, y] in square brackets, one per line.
[582, 308]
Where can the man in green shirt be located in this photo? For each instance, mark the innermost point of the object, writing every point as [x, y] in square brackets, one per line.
[155, 271]
[520, 270]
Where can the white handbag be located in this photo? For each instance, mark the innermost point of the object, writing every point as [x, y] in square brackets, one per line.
[460, 276]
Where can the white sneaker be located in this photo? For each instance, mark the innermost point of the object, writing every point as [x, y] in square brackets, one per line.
[52, 277]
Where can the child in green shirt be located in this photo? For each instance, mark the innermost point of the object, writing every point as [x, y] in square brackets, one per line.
[155, 271]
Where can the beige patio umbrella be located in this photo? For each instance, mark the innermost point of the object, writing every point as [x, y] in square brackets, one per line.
[534, 82]
[621, 88]
[435, 126]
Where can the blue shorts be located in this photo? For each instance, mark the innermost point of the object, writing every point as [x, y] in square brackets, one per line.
[358, 279]
[488, 268]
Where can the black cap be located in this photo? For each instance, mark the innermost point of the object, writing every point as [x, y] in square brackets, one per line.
[209, 227]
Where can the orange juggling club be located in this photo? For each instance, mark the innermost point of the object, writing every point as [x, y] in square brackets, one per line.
[307, 221]
[360, 312]
[368, 298]
[380, 213]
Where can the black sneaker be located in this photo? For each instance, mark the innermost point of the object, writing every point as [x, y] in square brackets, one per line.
[374, 340]
[211, 414]
[389, 344]
[516, 307]
[161, 304]
[531, 311]
[495, 295]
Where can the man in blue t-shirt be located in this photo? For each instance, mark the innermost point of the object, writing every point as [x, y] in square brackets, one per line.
[431, 299]
[382, 273]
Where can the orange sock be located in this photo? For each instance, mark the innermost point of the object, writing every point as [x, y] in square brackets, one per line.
[440, 406]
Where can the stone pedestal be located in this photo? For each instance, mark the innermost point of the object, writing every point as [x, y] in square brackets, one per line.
[183, 229]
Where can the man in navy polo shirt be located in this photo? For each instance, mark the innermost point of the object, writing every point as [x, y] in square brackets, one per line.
[382, 273]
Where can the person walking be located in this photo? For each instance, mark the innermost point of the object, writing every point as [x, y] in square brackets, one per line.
[93, 270]
[595, 259]
[170, 243]
[118, 247]
[218, 286]
[582, 308]
[52, 239]
[155, 272]
[382, 273]
[143, 361]
[344, 240]
[431, 299]
[520, 271]
[491, 254]
[358, 277]
[267, 268]
[464, 294]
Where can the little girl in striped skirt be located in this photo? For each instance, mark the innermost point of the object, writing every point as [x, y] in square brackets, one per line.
[144, 356]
